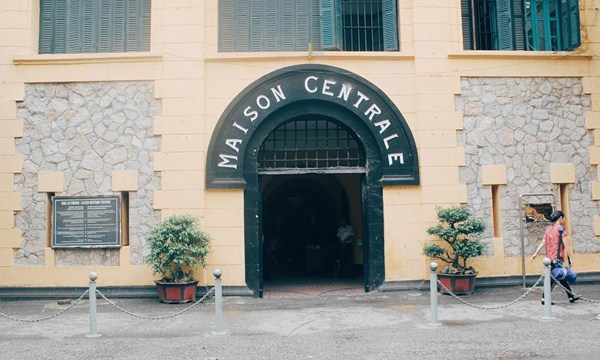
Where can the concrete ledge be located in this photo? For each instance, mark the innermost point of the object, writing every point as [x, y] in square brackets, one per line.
[588, 277]
[22, 293]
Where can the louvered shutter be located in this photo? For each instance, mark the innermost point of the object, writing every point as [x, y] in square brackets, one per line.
[315, 23]
[118, 28]
[105, 26]
[504, 24]
[46, 37]
[145, 26]
[570, 37]
[132, 25]
[302, 24]
[330, 29]
[73, 26]
[88, 36]
[467, 24]
[242, 21]
[519, 24]
[226, 22]
[269, 19]
[60, 27]
[390, 25]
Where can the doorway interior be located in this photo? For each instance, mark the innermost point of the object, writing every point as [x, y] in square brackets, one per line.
[300, 218]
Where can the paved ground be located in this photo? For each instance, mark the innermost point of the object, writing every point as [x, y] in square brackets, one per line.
[388, 325]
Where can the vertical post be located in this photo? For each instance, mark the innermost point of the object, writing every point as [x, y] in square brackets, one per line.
[433, 293]
[547, 290]
[92, 296]
[218, 303]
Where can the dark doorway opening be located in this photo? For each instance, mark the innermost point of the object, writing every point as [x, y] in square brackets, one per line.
[301, 250]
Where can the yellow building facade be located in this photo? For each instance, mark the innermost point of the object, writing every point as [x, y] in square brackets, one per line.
[185, 124]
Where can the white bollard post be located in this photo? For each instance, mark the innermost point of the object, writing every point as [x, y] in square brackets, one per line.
[433, 293]
[92, 296]
[218, 303]
[547, 290]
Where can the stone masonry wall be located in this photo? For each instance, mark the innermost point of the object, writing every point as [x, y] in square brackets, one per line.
[527, 124]
[86, 131]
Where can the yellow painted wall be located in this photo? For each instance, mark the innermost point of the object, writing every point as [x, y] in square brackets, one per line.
[195, 84]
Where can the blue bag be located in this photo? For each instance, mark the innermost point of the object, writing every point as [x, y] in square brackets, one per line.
[563, 273]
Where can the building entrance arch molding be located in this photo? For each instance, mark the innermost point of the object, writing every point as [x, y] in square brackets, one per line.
[298, 84]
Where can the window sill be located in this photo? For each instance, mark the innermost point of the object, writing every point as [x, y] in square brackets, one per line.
[542, 55]
[370, 55]
[63, 59]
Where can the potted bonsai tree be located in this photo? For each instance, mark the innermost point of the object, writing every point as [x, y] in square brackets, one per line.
[177, 248]
[458, 228]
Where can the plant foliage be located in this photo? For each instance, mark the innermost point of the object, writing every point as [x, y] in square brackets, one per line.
[177, 247]
[458, 228]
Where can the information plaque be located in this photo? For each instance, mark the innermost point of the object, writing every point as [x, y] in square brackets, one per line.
[80, 222]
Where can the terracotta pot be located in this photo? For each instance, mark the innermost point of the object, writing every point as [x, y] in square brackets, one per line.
[459, 284]
[176, 293]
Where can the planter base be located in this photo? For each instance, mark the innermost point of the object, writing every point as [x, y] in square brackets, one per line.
[459, 284]
[176, 293]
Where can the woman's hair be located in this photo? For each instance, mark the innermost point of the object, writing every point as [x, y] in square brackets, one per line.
[556, 215]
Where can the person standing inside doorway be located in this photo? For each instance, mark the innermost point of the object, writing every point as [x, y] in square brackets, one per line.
[555, 244]
[345, 237]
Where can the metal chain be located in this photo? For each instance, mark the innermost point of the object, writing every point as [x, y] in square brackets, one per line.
[208, 294]
[573, 294]
[493, 307]
[47, 317]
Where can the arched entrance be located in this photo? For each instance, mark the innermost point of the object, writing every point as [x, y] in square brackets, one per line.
[312, 93]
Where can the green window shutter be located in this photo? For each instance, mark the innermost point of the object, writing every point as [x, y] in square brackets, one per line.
[315, 24]
[302, 23]
[105, 26]
[132, 24]
[269, 21]
[570, 37]
[118, 26]
[519, 24]
[331, 25]
[505, 25]
[60, 27]
[145, 27]
[73, 26]
[226, 23]
[467, 24]
[390, 25]
[242, 21]
[46, 37]
[88, 36]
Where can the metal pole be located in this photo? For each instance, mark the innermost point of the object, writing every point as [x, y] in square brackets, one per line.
[92, 296]
[433, 293]
[218, 303]
[521, 221]
[547, 290]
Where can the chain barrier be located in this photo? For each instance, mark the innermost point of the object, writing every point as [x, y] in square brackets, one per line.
[208, 294]
[573, 294]
[80, 299]
[503, 306]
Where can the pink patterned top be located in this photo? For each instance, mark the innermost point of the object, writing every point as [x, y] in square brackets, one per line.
[551, 240]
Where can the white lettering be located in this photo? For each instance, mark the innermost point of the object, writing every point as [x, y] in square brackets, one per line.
[225, 162]
[372, 111]
[252, 114]
[233, 143]
[396, 156]
[313, 89]
[278, 94]
[361, 98]
[235, 124]
[345, 91]
[326, 86]
[383, 125]
[260, 105]
[387, 139]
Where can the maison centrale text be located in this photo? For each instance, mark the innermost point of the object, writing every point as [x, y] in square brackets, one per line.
[312, 86]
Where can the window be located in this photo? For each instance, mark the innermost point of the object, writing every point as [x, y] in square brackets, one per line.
[310, 143]
[291, 25]
[537, 25]
[93, 26]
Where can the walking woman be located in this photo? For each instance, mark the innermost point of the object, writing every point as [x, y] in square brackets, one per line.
[554, 241]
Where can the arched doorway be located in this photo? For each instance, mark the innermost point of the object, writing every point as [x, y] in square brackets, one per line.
[312, 93]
